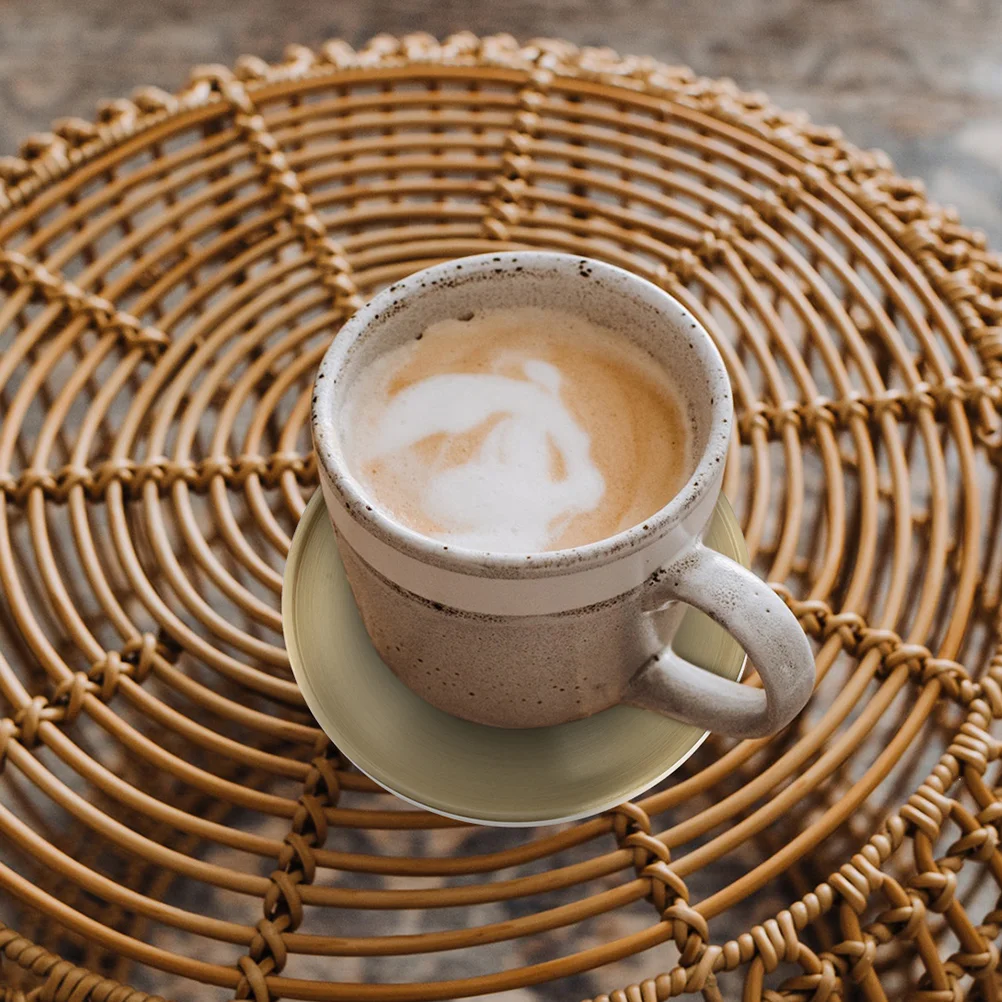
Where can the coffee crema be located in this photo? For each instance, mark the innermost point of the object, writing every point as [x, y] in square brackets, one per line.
[518, 430]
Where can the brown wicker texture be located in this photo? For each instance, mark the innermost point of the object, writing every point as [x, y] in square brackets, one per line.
[170, 276]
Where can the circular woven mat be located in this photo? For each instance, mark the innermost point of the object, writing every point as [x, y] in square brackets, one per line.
[170, 816]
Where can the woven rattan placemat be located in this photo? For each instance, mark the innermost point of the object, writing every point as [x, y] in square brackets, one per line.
[170, 816]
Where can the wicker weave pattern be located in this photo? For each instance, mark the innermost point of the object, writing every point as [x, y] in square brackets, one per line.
[171, 275]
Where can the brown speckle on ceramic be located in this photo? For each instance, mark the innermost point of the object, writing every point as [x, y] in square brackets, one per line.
[581, 659]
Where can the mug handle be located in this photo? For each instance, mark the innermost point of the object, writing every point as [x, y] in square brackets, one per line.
[759, 621]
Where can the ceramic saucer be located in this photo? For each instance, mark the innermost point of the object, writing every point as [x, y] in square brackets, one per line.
[487, 775]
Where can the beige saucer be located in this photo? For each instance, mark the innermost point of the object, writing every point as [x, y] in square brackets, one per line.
[473, 772]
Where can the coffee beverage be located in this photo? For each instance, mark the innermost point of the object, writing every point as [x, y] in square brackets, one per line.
[517, 430]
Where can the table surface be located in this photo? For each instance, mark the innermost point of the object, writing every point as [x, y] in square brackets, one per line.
[922, 79]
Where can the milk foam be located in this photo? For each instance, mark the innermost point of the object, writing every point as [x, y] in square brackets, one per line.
[491, 434]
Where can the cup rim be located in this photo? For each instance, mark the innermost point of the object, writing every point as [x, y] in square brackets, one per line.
[363, 509]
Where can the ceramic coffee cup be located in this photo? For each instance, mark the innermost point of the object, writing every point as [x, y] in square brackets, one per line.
[524, 640]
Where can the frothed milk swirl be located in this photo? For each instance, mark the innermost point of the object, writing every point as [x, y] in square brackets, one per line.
[516, 430]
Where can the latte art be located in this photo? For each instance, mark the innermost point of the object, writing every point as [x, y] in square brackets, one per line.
[516, 431]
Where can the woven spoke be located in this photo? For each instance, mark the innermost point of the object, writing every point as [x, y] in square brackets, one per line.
[57, 289]
[133, 476]
[329, 257]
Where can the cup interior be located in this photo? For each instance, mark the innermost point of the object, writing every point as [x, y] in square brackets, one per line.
[610, 297]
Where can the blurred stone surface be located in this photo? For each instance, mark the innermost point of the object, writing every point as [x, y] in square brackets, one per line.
[920, 78]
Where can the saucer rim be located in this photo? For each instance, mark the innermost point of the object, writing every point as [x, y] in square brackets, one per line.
[589, 812]
[314, 704]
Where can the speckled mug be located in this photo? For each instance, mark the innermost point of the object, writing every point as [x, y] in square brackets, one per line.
[526, 640]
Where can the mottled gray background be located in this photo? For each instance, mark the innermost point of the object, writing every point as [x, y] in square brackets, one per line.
[920, 78]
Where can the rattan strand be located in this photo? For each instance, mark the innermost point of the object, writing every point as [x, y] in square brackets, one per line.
[170, 276]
